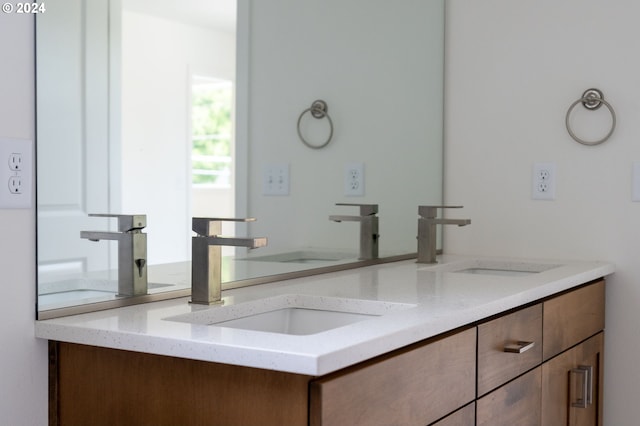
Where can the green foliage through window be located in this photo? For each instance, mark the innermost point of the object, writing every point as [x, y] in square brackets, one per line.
[212, 126]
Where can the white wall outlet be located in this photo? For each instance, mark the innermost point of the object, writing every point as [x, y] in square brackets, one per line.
[544, 181]
[354, 179]
[15, 161]
[275, 179]
[16, 169]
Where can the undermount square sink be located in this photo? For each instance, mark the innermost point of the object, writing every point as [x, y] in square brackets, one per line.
[299, 321]
[504, 268]
[503, 272]
[292, 314]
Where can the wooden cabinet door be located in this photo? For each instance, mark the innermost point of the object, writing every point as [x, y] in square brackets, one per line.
[516, 403]
[463, 417]
[414, 386]
[567, 381]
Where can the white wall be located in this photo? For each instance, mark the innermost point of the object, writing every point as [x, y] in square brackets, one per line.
[513, 69]
[372, 62]
[159, 56]
[23, 381]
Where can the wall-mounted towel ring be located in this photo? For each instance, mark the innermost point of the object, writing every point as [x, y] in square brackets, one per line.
[591, 99]
[318, 109]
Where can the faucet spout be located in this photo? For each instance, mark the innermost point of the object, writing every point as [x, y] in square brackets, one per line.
[459, 222]
[251, 243]
[368, 228]
[101, 235]
[206, 257]
[427, 231]
[132, 251]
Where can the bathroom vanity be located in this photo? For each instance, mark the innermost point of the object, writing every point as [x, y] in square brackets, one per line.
[468, 341]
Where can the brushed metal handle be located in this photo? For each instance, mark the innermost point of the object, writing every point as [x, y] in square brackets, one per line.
[519, 347]
[585, 372]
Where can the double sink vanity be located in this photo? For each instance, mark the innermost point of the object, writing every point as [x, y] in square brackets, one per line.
[467, 341]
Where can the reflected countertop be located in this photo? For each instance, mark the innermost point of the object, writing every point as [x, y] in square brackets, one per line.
[458, 291]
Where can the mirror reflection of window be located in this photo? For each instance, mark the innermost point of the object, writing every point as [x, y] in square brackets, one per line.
[212, 146]
[211, 124]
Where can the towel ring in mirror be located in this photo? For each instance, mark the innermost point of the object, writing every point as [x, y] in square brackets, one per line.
[318, 109]
[591, 99]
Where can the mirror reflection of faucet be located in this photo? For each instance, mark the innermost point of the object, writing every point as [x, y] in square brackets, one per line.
[206, 257]
[132, 251]
[427, 237]
[368, 228]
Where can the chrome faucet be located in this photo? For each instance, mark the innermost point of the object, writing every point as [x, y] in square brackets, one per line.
[427, 238]
[368, 228]
[206, 257]
[132, 251]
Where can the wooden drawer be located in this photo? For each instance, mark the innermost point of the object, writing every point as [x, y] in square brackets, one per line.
[572, 318]
[516, 403]
[496, 365]
[463, 417]
[414, 386]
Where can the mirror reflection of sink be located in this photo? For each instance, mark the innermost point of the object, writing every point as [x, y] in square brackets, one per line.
[83, 295]
[504, 268]
[62, 293]
[291, 314]
[304, 256]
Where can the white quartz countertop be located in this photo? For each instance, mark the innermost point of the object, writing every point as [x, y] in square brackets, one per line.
[416, 301]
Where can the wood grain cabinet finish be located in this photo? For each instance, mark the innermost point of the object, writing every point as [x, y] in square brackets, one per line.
[456, 379]
[415, 387]
[572, 318]
[100, 386]
[572, 386]
[465, 416]
[509, 346]
[516, 403]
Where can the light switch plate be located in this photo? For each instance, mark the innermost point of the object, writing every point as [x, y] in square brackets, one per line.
[275, 179]
[16, 171]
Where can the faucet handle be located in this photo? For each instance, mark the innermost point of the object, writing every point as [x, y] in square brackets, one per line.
[365, 209]
[126, 222]
[431, 212]
[210, 226]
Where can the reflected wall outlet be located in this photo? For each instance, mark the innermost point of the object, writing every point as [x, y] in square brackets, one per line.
[275, 179]
[544, 181]
[16, 170]
[635, 182]
[354, 179]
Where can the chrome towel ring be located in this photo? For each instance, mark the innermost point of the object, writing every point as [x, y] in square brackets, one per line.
[591, 99]
[318, 109]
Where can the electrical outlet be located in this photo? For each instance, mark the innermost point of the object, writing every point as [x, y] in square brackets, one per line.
[354, 179]
[544, 181]
[275, 179]
[16, 174]
[15, 161]
[15, 184]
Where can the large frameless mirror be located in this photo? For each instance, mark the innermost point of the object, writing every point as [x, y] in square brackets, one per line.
[143, 109]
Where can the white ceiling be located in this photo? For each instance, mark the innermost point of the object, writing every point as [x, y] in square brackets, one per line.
[219, 14]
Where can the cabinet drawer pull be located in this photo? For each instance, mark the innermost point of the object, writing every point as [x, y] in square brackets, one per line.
[519, 347]
[585, 372]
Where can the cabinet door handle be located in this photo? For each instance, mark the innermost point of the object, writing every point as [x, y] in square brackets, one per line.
[585, 372]
[519, 347]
